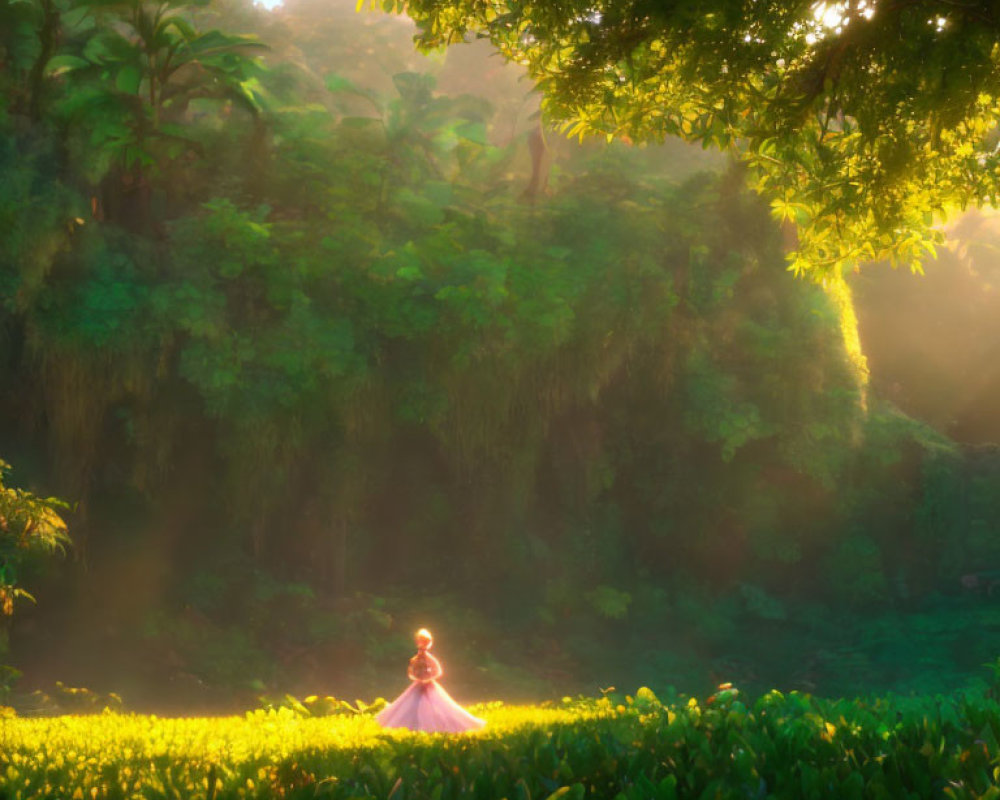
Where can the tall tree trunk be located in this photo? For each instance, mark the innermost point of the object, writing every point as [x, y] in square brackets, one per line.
[789, 236]
[257, 540]
[338, 557]
[541, 164]
[48, 34]
[258, 158]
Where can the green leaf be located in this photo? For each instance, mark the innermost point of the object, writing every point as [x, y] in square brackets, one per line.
[338, 83]
[575, 792]
[128, 79]
[61, 64]
[472, 131]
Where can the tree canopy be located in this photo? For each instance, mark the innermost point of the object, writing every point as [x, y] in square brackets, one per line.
[862, 121]
[279, 316]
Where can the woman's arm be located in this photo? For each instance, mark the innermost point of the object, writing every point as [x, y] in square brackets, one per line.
[424, 668]
[434, 669]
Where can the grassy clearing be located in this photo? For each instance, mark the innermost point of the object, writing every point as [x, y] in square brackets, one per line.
[793, 746]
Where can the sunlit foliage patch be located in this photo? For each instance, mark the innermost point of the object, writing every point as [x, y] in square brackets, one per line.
[627, 748]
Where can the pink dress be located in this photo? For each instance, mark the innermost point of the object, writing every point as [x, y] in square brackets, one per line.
[425, 705]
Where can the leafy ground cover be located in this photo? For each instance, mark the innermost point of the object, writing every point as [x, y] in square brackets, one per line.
[627, 748]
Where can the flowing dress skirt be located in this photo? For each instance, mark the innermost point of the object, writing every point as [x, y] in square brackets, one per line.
[427, 707]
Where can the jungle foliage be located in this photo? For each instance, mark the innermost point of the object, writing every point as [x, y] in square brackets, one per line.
[29, 526]
[317, 370]
[861, 121]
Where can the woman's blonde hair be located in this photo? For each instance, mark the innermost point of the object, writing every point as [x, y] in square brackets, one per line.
[423, 633]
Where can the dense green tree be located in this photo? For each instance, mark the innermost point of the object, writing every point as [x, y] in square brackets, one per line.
[137, 68]
[340, 341]
[862, 121]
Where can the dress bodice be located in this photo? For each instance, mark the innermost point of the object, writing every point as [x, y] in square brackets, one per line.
[424, 666]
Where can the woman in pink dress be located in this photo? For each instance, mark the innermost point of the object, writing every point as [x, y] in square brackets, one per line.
[425, 705]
